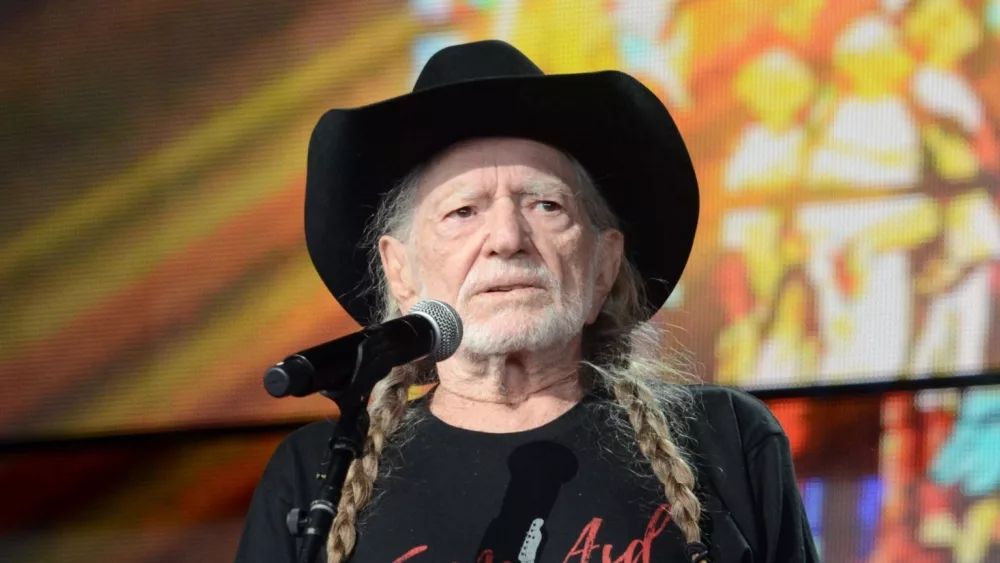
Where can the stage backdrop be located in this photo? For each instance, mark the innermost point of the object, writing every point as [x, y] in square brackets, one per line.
[152, 159]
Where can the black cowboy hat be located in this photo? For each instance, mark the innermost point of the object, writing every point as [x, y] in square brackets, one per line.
[612, 124]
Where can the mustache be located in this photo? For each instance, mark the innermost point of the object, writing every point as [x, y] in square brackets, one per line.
[497, 274]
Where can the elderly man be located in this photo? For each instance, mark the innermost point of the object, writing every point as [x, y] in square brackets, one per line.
[554, 213]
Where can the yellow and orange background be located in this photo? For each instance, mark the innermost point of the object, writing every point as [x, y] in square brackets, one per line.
[152, 262]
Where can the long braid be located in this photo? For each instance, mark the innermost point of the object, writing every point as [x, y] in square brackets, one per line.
[654, 439]
[624, 359]
[625, 355]
[386, 411]
[387, 407]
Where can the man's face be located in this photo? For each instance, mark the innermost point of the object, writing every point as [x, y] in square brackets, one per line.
[500, 234]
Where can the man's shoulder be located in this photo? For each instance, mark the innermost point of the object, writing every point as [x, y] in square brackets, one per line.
[730, 410]
[308, 438]
[300, 450]
[311, 431]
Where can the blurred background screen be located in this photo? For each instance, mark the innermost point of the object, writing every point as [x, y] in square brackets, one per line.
[152, 157]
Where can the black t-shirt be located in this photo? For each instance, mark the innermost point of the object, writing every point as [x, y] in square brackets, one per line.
[573, 490]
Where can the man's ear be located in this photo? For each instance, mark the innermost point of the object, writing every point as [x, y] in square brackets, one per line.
[611, 246]
[398, 271]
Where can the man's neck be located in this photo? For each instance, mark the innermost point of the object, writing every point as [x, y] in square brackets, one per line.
[508, 393]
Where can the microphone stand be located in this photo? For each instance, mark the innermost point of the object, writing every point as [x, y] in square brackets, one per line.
[345, 445]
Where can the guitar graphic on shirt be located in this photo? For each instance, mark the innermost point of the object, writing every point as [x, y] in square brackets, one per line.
[529, 549]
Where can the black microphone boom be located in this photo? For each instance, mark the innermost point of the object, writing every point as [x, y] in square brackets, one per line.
[346, 370]
[431, 328]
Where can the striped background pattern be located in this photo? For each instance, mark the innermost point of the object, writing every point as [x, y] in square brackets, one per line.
[153, 263]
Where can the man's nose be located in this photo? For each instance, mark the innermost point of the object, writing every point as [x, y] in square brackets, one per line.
[507, 230]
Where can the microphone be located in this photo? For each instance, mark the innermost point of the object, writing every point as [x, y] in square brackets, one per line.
[431, 328]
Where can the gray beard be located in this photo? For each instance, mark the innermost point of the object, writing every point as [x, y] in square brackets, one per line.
[556, 327]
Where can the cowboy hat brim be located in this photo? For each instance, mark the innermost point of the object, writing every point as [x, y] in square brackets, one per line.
[612, 124]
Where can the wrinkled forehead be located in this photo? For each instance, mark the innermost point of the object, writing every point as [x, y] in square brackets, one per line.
[478, 167]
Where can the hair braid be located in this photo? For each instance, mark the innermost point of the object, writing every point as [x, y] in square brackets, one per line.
[653, 437]
[386, 411]
[625, 355]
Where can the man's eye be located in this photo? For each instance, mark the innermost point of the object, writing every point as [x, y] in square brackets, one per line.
[548, 206]
[462, 212]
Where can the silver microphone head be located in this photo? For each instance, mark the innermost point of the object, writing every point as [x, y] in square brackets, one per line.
[448, 323]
